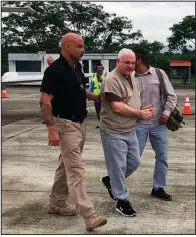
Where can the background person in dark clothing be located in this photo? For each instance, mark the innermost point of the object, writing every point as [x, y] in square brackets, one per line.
[50, 60]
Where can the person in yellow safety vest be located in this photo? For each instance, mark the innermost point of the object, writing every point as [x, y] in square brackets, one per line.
[95, 86]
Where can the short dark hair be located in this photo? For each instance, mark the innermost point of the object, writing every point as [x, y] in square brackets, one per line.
[142, 53]
[98, 64]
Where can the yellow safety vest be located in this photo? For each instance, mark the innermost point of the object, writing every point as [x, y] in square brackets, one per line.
[97, 84]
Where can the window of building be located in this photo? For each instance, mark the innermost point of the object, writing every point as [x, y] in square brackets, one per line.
[112, 64]
[28, 66]
[174, 72]
[94, 64]
[85, 64]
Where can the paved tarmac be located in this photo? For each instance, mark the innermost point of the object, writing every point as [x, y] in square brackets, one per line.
[28, 166]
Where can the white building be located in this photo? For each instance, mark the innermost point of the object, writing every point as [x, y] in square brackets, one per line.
[35, 64]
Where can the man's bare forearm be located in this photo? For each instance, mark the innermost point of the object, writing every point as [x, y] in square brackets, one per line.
[126, 110]
[91, 96]
[46, 110]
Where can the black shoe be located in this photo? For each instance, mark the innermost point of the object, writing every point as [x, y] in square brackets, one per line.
[97, 126]
[106, 181]
[161, 194]
[125, 208]
[43, 122]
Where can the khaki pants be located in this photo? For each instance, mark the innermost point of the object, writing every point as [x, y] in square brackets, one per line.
[69, 176]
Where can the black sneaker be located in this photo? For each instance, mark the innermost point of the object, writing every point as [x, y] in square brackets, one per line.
[161, 194]
[125, 208]
[106, 181]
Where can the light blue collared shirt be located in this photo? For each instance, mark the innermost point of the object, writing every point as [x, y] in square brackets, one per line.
[149, 87]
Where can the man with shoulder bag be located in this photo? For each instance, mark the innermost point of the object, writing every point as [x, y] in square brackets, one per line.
[156, 128]
[176, 117]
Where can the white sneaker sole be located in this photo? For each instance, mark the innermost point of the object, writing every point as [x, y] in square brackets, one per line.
[134, 214]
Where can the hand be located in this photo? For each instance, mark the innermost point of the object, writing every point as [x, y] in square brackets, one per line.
[53, 138]
[100, 79]
[163, 119]
[150, 107]
[146, 114]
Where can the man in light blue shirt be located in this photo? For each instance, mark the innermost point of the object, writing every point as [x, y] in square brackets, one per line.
[155, 128]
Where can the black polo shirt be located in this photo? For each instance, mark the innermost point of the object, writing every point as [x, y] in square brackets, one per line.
[67, 85]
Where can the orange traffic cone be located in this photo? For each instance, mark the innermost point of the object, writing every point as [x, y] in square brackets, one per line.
[4, 94]
[187, 106]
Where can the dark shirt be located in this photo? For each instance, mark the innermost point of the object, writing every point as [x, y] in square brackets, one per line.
[67, 85]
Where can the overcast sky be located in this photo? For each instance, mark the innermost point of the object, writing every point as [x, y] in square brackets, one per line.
[153, 18]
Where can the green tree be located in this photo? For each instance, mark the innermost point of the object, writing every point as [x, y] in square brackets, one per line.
[183, 34]
[43, 29]
[154, 47]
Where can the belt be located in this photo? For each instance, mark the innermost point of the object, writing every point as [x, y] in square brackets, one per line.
[72, 118]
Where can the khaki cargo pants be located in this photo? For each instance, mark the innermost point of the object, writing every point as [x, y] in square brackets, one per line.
[69, 176]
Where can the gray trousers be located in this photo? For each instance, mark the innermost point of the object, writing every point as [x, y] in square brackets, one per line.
[122, 158]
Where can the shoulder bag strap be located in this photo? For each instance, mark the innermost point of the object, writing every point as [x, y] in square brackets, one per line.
[161, 79]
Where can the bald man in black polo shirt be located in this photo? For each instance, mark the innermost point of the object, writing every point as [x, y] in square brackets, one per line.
[49, 60]
[63, 104]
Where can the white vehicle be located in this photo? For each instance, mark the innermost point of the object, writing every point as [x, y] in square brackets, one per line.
[29, 68]
[17, 9]
[13, 78]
